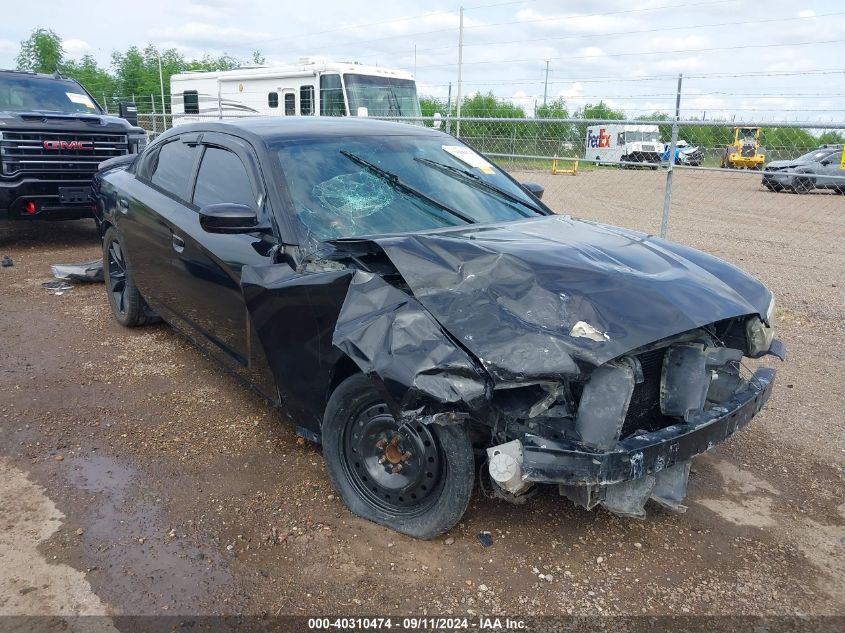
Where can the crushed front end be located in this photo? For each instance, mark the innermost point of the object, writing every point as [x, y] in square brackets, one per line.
[626, 432]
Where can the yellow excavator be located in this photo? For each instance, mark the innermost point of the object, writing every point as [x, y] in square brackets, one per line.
[745, 151]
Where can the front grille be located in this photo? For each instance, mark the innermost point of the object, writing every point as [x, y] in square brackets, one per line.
[24, 153]
[644, 410]
[748, 151]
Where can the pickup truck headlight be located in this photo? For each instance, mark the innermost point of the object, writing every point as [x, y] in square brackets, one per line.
[137, 142]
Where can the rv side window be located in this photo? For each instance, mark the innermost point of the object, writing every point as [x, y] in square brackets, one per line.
[290, 104]
[331, 96]
[306, 100]
[273, 99]
[191, 100]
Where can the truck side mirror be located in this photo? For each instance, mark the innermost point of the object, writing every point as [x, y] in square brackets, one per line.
[129, 111]
[534, 189]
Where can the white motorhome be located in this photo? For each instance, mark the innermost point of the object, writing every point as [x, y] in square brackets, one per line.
[314, 86]
[626, 143]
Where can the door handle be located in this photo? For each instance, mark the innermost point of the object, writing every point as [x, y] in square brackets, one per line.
[123, 205]
[178, 243]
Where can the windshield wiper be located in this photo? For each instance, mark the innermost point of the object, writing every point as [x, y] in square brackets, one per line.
[397, 183]
[476, 181]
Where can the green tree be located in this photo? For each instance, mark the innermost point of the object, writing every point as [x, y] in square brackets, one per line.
[41, 52]
[832, 138]
[554, 139]
[258, 59]
[488, 105]
[554, 109]
[599, 111]
[430, 105]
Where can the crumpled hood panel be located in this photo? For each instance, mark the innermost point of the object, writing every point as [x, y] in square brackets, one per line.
[511, 293]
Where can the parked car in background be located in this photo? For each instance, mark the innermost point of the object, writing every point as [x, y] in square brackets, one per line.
[685, 154]
[414, 309]
[53, 135]
[820, 169]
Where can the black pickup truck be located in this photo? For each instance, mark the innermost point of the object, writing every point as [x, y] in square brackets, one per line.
[53, 135]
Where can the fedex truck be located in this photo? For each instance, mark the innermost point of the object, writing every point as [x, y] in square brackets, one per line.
[314, 86]
[626, 143]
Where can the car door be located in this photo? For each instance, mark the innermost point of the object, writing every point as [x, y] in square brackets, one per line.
[830, 171]
[210, 300]
[149, 206]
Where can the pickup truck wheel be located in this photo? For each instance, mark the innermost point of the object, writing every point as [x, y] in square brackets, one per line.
[413, 478]
[126, 302]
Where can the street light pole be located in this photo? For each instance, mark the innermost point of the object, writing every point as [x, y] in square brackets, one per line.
[546, 84]
[460, 63]
[161, 83]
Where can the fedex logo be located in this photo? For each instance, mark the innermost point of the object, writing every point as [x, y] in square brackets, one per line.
[602, 140]
[77, 145]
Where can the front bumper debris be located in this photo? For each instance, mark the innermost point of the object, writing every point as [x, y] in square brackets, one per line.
[570, 464]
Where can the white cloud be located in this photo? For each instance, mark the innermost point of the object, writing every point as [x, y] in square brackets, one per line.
[75, 47]
[806, 13]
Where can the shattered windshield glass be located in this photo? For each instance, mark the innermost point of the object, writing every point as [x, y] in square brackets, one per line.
[334, 196]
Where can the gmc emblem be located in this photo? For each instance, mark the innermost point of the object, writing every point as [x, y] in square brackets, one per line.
[72, 145]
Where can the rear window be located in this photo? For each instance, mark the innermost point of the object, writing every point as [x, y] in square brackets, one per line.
[173, 168]
[29, 93]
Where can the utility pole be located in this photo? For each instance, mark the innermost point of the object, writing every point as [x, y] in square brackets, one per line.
[667, 193]
[546, 85]
[460, 63]
[161, 83]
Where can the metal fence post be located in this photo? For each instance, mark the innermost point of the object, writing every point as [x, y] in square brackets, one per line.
[667, 193]
[153, 105]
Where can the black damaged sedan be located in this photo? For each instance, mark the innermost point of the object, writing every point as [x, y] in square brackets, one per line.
[418, 312]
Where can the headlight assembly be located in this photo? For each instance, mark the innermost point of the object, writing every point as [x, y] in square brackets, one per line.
[759, 337]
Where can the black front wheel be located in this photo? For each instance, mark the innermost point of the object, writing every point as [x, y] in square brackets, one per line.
[414, 478]
[126, 302]
[802, 185]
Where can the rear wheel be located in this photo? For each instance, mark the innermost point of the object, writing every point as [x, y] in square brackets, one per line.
[126, 302]
[414, 478]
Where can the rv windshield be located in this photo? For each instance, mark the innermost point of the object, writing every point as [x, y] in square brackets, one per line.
[31, 93]
[382, 96]
[370, 185]
[633, 137]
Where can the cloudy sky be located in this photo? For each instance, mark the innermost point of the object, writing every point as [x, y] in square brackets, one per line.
[772, 60]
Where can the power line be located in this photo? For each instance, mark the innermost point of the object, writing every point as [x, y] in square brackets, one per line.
[664, 52]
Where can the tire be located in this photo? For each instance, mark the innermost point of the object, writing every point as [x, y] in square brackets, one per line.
[126, 303]
[802, 185]
[416, 479]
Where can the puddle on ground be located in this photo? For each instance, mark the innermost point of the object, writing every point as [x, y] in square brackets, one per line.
[140, 563]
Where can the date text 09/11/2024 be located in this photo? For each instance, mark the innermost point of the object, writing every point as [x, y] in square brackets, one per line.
[412, 624]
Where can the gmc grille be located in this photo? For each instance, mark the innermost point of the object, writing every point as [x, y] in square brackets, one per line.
[23, 153]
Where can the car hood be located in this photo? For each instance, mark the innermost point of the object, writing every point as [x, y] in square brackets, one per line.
[785, 164]
[530, 298]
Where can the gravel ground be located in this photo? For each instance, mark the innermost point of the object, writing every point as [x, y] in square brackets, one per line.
[183, 492]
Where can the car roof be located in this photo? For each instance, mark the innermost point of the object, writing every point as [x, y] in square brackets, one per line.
[270, 129]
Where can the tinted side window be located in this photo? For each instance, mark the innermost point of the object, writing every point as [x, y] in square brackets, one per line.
[173, 167]
[290, 104]
[273, 99]
[222, 178]
[192, 101]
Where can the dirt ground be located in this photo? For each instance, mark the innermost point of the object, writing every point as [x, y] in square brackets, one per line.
[146, 477]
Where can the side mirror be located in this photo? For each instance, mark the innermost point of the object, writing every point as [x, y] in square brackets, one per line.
[129, 111]
[825, 163]
[228, 217]
[534, 189]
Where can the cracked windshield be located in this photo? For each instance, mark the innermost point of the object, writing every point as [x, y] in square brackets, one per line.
[357, 186]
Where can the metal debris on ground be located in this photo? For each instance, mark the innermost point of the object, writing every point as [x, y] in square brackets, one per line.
[7, 261]
[85, 271]
[485, 538]
[58, 287]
